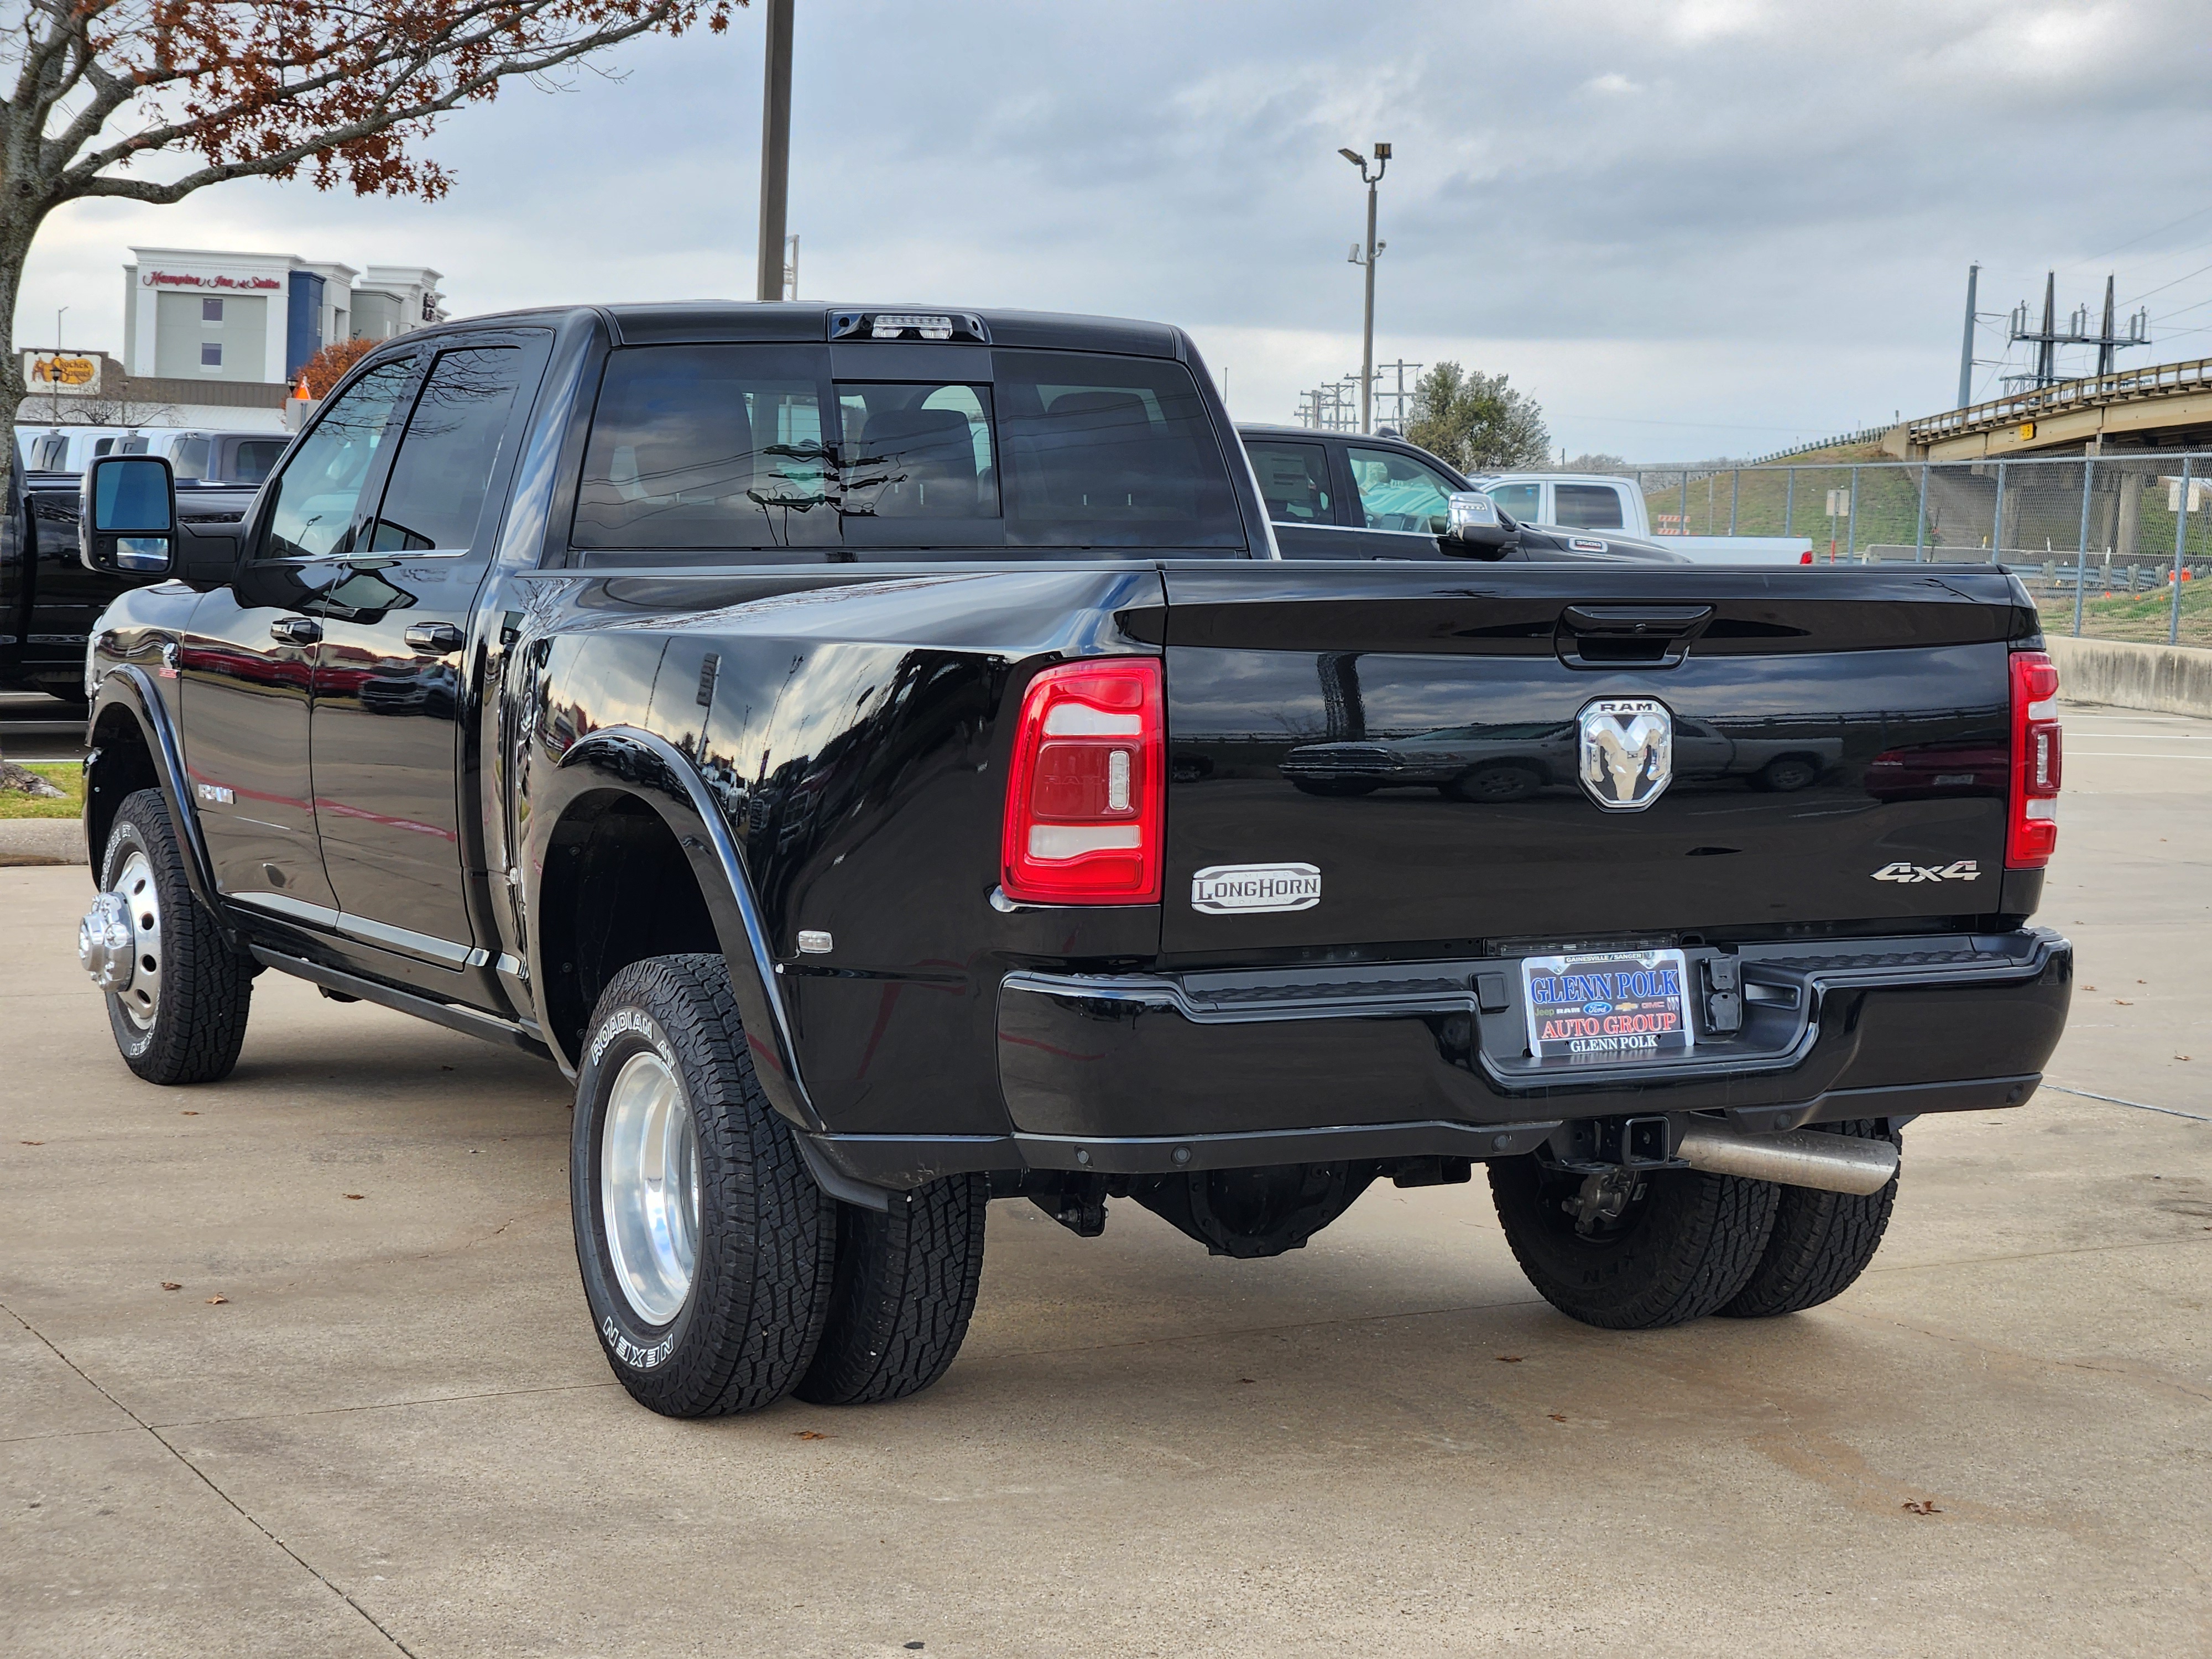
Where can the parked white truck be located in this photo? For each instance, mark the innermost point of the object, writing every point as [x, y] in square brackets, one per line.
[1591, 501]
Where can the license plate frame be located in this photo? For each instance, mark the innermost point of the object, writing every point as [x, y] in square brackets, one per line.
[1608, 1007]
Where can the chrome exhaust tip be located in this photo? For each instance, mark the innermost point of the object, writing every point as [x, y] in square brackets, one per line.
[1793, 1157]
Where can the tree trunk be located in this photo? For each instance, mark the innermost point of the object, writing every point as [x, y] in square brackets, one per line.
[16, 230]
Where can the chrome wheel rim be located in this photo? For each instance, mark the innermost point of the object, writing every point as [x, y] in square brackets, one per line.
[649, 1188]
[140, 1000]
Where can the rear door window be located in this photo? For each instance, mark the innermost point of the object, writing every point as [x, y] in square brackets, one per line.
[1589, 506]
[698, 452]
[250, 460]
[1293, 481]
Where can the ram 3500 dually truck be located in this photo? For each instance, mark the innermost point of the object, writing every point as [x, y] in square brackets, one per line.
[856, 744]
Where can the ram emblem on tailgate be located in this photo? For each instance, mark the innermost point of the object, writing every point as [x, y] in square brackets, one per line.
[1627, 751]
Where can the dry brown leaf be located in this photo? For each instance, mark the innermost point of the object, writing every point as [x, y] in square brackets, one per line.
[810, 1434]
[32, 1143]
[171, 1284]
[2088, 988]
[188, 1113]
[1507, 1359]
[356, 1194]
[1926, 1506]
[2123, 1002]
[2181, 1057]
[1556, 1416]
[216, 1300]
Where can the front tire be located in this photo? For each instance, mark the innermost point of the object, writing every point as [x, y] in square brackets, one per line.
[704, 1244]
[181, 1016]
[1821, 1242]
[1682, 1245]
[906, 1286]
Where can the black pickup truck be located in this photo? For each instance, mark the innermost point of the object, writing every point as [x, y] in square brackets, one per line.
[858, 745]
[48, 598]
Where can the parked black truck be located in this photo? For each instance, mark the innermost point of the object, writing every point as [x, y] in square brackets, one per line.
[858, 746]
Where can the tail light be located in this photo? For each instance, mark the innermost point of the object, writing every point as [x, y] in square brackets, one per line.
[1805, 557]
[1085, 800]
[2033, 820]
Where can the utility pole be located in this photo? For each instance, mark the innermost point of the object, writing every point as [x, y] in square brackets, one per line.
[1966, 347]
[775, 148]
[1374, 247]
[2105, 347]
[2046, 358]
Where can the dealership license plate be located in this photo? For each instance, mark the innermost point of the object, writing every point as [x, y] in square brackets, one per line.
[1606, 1007]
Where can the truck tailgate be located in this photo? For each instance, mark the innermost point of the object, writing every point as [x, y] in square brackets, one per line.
[1395, 755]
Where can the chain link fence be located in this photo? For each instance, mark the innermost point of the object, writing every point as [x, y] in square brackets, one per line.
[2112, 547]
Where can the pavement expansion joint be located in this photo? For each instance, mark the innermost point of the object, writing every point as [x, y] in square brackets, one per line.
[171, 1447]
[2114, 1100]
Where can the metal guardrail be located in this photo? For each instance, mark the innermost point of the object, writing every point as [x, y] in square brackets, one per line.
[2128, 386]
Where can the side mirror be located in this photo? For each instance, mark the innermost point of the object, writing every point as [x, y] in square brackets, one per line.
[1475, 525]
[127, 516]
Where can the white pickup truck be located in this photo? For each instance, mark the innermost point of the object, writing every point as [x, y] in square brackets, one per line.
[1591, 501]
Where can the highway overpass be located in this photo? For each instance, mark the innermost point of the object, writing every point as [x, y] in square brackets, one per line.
[2164, 408]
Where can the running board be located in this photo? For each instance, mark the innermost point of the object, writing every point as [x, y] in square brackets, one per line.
[454, 1018]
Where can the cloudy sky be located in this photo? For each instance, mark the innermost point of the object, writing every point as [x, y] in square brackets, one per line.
[1690, 228]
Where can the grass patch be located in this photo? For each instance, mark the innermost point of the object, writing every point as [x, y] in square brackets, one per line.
[66, 776]
[2140, 618]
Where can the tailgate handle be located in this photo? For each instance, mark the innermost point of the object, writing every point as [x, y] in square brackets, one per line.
[1629, 635]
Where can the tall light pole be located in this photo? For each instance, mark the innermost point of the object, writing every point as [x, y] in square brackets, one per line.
[775, 149]
[1374, 247]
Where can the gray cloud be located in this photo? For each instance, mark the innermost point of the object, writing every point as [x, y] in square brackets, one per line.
[1691, 227]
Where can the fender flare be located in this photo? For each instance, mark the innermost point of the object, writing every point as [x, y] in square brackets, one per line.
[640, 763]
[128, 687]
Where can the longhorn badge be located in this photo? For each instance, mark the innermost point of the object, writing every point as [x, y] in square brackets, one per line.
[1627, 747]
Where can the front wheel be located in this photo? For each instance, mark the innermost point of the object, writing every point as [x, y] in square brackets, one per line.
[1632, 1251]
[704, 1244]
[178, 995]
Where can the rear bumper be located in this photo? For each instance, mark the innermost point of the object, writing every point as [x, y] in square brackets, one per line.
[1163, 1073]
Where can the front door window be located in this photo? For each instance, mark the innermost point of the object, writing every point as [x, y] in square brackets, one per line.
[313, 512]
[1397, 492]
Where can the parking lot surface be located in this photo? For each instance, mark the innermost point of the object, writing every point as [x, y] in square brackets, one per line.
[371, 1417]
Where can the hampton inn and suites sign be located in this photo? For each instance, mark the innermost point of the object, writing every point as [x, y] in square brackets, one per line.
[260, 282]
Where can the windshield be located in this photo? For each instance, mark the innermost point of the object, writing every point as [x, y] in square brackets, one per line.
[697, 453]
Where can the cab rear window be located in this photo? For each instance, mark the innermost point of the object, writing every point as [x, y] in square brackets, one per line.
[698, 454]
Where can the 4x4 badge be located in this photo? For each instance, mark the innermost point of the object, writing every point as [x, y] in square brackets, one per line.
[1964, 870]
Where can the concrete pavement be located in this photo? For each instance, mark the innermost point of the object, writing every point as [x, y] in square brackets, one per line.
[395, 1433]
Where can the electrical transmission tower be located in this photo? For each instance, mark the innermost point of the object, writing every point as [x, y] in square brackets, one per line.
[2047, 340]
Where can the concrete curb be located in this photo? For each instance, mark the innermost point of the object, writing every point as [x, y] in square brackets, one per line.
[2167, 678]
[42, 840]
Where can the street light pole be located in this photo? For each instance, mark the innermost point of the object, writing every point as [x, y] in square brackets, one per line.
[1374, 247]
[775, 149]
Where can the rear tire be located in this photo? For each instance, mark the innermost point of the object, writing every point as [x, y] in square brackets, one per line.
[1686, 1243]
[906, 1285]
[182, 1018]
[1821, 1242]
[704, 1243]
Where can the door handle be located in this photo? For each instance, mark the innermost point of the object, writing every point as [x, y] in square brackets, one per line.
[295, 630]
[434, 636]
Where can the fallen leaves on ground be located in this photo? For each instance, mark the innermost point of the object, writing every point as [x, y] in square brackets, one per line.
[1925, 1506]
[354, 1195]
[1507, 1359]
[32, 1143]
[2181, 1057]
[1557, 1416]
[171, 1284]
[187, 1114]
[2123, 1002]
[810, 1434]
[217, 1301]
